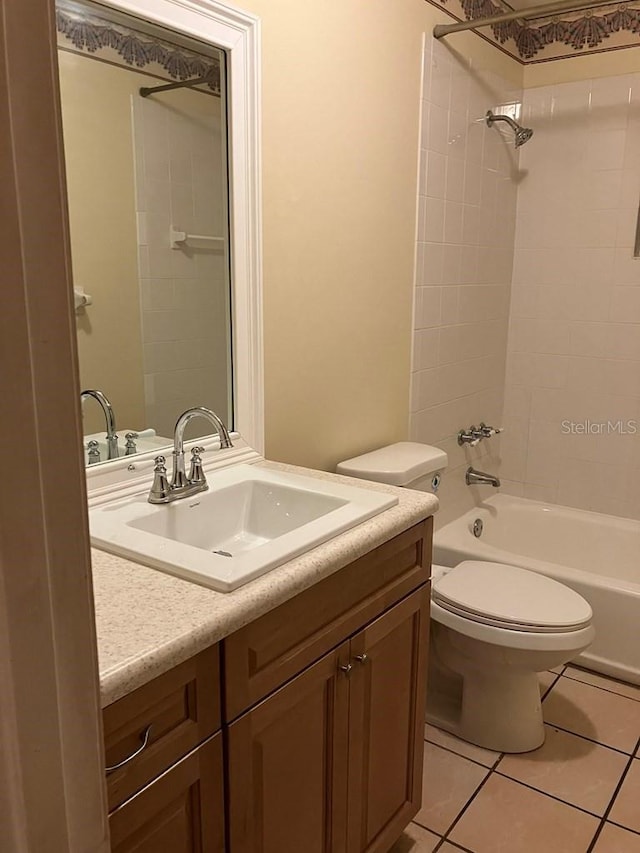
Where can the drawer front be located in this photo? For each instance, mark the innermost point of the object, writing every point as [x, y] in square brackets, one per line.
[181, 812]
[274, 648]
[177, 710]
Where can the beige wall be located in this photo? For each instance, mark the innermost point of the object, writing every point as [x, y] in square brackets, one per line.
[341, 95]
[100, 181]
[609, 64]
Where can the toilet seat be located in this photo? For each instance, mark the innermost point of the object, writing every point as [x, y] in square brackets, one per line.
[510, 598]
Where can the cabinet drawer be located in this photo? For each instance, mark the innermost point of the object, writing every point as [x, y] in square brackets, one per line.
[180, 812]
[269, 651]
[182, 707]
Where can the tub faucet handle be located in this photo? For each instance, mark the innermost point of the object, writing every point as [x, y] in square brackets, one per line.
[488, 431]
[472, 436]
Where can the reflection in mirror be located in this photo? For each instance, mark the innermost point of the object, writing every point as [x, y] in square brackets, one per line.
[148, 201]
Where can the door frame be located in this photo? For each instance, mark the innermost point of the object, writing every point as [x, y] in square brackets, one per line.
[52, 789]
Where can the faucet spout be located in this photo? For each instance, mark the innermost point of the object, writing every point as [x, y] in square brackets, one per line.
[110, 419]
[479, 478]
[182, 485]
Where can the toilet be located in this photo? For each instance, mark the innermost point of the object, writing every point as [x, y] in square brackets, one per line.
[494, 627]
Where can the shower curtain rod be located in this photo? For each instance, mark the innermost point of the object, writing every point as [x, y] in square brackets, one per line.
[542, 11]
[146, 91]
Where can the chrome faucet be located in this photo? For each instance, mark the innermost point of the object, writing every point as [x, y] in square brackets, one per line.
[478, 478]
[110, 419]
[181, 485]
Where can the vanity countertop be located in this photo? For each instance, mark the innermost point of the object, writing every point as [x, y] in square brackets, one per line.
[148, 621]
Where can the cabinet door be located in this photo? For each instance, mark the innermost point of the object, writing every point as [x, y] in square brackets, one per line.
[288, 765]
[182, 811]
[386, 724]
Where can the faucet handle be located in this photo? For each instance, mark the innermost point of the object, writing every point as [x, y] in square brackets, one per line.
[160, 488]
[196, 474]
[471, 436]
[130, 446]
[488, 431]
[94, 452]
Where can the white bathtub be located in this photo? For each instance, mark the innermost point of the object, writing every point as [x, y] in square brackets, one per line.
[597, 555]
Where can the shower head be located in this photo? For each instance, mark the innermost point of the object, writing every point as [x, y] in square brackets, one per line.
[523, 134]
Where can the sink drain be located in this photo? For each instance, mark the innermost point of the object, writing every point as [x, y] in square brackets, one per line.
[478, 527]
[222, 553]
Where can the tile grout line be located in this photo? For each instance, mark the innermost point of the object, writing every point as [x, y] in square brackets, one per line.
[607, 811]
[445, 836]
[551, 796]
[604, 689]
[466, 757]
[591, 740]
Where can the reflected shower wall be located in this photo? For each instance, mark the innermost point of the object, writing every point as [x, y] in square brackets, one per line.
[181, 183]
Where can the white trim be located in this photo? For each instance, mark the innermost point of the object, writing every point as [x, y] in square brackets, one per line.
[238, 33]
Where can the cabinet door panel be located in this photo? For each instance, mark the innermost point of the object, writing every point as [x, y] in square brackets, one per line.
[386, 725]
[180, 812]
[288, 765]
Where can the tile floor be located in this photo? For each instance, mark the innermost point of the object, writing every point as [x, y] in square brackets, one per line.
[578, 793]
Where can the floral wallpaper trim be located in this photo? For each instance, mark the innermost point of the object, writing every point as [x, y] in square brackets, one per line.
[87, 34]
[556, 37]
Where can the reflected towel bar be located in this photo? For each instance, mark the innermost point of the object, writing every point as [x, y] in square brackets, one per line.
[178, 239]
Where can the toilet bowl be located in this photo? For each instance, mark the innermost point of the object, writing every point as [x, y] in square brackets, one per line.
[493, 627]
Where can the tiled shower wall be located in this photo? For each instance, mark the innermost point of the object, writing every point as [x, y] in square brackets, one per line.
[467, 212]
[181, 181]
[573, 378]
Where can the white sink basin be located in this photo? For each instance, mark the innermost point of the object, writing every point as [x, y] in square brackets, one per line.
[248, 522]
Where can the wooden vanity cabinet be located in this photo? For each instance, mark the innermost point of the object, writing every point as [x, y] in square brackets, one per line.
[332, 761]
[312, 715]
[324, 702]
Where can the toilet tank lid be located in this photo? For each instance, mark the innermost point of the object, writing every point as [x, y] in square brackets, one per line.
[396, 464]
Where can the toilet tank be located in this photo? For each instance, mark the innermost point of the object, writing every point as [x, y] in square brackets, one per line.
[407, 463]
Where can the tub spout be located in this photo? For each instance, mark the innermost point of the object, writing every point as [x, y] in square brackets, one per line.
[478, 478]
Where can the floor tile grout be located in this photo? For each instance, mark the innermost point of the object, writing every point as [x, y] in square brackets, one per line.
[487, 767]
[591, 740]
[604, 689]
[466, 806]
[600, 820]
[552, 796]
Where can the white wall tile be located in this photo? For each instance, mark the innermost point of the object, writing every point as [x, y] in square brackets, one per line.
[574, 343]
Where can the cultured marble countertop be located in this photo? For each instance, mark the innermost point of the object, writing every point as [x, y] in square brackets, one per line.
[148, 621]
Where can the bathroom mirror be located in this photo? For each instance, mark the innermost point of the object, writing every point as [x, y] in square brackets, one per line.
[164, 216]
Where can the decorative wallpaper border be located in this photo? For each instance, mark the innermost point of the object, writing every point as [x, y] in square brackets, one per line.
[84, 32]
[557, 37]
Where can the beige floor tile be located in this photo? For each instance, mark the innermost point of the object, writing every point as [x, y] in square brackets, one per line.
[506, 817]
[558, 669]
[570, 768]
[626, 808]
[612, 839]
[632, 691]
[415, 839]
[449, 848]
[448, 782]
[606, 717]
[469, 750]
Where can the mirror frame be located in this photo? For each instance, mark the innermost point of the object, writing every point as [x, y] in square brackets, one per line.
[238, 34]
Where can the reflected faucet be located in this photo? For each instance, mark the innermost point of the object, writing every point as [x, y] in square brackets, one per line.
[163, 491]
[110, 420]
[478, 478]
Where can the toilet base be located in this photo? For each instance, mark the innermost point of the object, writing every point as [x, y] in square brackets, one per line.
[499, 713]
